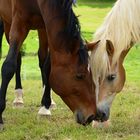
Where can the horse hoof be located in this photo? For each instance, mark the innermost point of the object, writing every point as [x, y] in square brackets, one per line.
[1, 126]
[53, 106]
[18, 103]
[96, 124]
[44, 112]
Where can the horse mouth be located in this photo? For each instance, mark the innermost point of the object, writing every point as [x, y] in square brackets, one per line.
[81, 119]
[102, 116]
[90, 119]
[99, 119]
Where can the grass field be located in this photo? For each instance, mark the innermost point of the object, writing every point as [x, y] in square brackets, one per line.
[25, 124]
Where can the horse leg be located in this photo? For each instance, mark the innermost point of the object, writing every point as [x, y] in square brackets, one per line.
[18, 101]
[1, 34]
[42, 54]
[42, 51]
[16, 38]
[46, 98]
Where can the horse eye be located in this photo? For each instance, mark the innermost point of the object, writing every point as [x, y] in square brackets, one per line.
[111, 77]
[79, 76]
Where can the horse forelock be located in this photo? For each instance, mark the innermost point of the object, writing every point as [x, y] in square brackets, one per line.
[99, 62]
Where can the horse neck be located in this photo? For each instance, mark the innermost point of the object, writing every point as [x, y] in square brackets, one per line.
[62, 25]
[61, 40]
[123, 55]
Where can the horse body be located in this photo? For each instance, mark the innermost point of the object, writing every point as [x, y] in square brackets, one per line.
[119, 32]
[32, 17]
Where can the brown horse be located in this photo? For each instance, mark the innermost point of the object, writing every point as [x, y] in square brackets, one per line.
[66, 68]
[119, 32]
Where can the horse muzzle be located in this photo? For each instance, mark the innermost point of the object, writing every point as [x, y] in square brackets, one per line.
[80, 118]
[102, 115]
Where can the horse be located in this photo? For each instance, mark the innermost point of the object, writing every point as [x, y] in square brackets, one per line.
[116, 36]
[18, 101]
[66, 67]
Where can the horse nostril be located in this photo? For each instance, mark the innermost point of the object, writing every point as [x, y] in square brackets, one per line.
[80, 117]
[102, 115]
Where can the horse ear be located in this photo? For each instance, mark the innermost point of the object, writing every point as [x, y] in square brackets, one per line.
[86, 41]
[93, 45]
[109, 47]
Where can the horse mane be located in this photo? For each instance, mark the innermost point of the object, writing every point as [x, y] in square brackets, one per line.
[122, 27]
[72, 30]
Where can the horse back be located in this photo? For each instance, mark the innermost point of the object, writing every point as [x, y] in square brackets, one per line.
[26, 11]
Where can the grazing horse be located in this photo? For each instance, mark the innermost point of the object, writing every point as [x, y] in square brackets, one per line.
[18, 101]
[66, 67]
[119, 32]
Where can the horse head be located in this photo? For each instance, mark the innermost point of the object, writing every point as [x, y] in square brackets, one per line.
[108, 75]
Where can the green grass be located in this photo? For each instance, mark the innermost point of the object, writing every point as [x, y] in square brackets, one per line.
[24, 124]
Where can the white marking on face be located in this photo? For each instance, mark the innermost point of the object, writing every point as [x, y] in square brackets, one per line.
[106, 103]
[88, 67]
[43, 90]
[97, 91]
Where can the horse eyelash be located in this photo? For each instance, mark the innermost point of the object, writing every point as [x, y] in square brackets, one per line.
[79, 76]
[111, 77]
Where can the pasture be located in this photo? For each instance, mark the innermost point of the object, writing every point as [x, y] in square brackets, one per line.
[25, 124]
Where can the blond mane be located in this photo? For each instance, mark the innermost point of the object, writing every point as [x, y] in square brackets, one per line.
[122, 27]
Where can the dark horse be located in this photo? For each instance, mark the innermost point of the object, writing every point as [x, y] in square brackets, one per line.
[66, 68]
